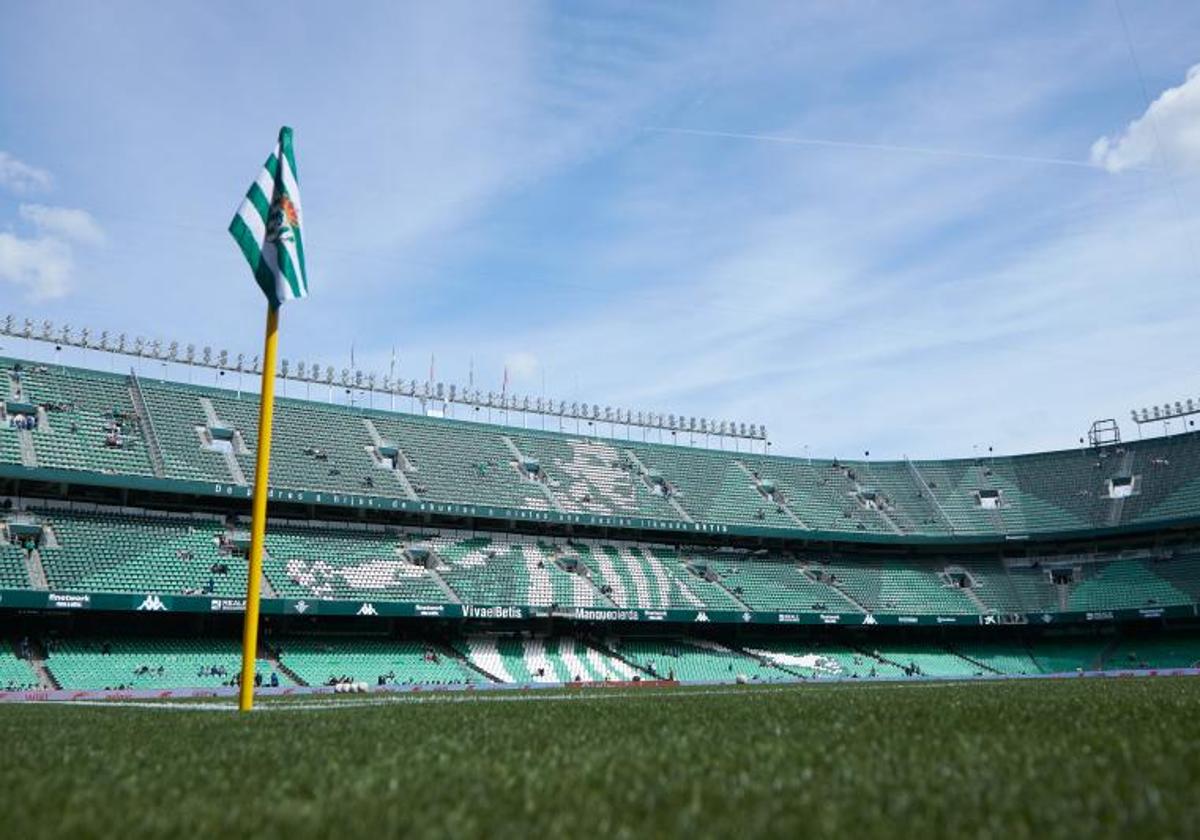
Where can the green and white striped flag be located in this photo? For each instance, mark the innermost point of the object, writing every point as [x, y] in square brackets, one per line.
[267, 226]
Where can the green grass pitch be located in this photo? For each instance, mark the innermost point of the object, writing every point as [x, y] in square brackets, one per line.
[1076, 758]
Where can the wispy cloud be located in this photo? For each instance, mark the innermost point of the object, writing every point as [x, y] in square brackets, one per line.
[872, 147]
[63, 222]
[20, 177]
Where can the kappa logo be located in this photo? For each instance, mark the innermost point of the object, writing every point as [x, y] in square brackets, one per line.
[745, 616]
[702, 616]
[869, 619]
[152, 604]
[989, 619]
[368, 609]
[302, 607]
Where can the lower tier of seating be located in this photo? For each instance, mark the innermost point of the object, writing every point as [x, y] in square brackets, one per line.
[121, 662]
[532, 659]
[117, 663]
[16, 674]
[375, 661]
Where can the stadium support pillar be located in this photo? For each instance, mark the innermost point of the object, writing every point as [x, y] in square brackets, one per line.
[258, 520]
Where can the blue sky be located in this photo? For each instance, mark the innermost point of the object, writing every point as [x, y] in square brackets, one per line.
[913, 228]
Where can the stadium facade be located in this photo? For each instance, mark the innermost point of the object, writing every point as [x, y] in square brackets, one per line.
[412, 549]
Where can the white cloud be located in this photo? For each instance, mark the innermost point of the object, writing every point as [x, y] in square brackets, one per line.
[63, 222]
[21, 177]
[1173, 120]
[42, 265]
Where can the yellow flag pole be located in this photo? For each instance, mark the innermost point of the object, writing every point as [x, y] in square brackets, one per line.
[258, 520]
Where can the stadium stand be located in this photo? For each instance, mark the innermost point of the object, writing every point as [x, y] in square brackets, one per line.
[820, 659]
[15, 674]
[999, 657]
[534, 659]
[103, 552]
[328, 660]
[1150, 652]
[695, 660]
[588, 475]
[117, 662]
[343, 563]
[160, 663]
[208, 434]
[1063, 654]
[12, 566]
[694, 564]
[101, 549]
[85, 420]
[452, 461]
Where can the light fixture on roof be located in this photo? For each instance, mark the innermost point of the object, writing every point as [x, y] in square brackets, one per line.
[28, 329]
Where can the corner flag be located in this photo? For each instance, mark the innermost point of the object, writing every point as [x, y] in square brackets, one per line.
[267, 229]
[267, 226]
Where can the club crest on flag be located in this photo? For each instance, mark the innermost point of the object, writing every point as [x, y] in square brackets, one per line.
[282, 220]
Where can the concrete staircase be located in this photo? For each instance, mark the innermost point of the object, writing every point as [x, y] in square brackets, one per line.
[269, 656]
[983, 608]
[928, 493]
[987, 669]
[1118, 505]
[553, 558]
[442, 584]
[399, 472]
[603, 595]
[850, 599]
[35, 570]
[786, 508]
[231, 462]
[457, 655]
[24, 436]
[670, 500]
[37, 661]
[28, 453]
[147, 426]
[606, 650]
[519, 456]
[733, 595]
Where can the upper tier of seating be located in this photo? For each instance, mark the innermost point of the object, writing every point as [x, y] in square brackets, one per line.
[123, 425]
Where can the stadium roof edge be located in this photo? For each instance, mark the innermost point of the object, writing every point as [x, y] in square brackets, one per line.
[368, 411]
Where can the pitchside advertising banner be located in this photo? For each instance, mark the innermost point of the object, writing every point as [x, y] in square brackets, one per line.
[25, 599]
